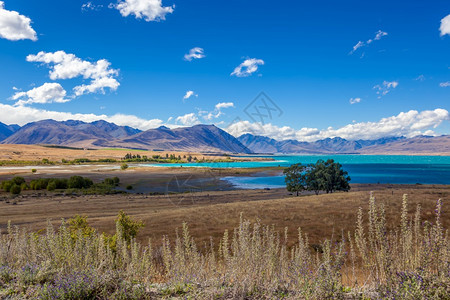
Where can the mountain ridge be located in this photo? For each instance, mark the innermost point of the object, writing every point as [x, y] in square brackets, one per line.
[204, 138]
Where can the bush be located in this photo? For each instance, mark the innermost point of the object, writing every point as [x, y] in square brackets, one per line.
[6, 185]
[78, 182]
[15, 189]
[124, 167]
[18, 180]
[129, 187]
[51, 186]
[33, 171]
[112, 181]
[24, 186]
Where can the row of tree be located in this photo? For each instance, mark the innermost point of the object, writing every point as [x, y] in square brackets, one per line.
[325, 176]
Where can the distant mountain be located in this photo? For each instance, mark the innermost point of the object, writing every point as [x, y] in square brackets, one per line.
[201, 138]
[204, 138]
[260, 144]
[68, 133]
[7, 130]
[417, 145]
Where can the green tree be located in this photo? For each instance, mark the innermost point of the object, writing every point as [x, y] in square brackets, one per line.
[336, 179]
[325, 176]
[294, 178]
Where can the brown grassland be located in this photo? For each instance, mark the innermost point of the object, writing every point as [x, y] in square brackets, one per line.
[209, 214]
[36, 153]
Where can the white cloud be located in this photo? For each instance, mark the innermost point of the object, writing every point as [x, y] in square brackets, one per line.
[217, 112]
[384, 88]
[46, 93]
[195, 53]
[14, 26]
[22, 115]
[354, 100]
[90, 6]
[189, 94]
[378, 35]
[187, 119]
[248, 67]
[444, 84]
[222, 105]
[66, 66]
[445, 26]
[357, 46]
[420, 78]
[149, 10]
[409, 124]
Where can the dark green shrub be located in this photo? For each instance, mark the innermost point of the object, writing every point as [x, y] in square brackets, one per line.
[78, 182]
[51, 186]
[15, 189]
[6, 185]
[60, 184]
[24, 186]
[129, 187]
[18, 180]
[33, 171]
[124, 167]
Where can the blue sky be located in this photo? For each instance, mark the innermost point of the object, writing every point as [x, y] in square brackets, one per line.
[300, 53]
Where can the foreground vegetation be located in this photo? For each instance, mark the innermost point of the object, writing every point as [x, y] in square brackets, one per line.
[411, 261]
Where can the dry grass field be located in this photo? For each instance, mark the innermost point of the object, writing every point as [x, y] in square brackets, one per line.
[209, 214]
[37, 153]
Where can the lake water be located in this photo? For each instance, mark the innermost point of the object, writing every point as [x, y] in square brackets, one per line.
[399, 169]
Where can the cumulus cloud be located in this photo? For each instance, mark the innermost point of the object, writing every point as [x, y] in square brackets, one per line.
[14, 26]
[444, 84]
[384, 88]
[195, 53]
[378, 35]
[187, 119]
[46, 93]
[248, 67]
[189, 94]
[23, 114]
[149, 10]
[445, 26]
[409, 124]
[66, 66]
[354, 100]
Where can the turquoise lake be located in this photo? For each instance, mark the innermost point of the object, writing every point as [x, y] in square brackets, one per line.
[396, 169]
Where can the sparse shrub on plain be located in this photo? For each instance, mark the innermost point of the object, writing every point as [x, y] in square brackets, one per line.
[123, 166]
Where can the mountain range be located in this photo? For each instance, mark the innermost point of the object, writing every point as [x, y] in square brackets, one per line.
[204, 138]
[100, 134]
